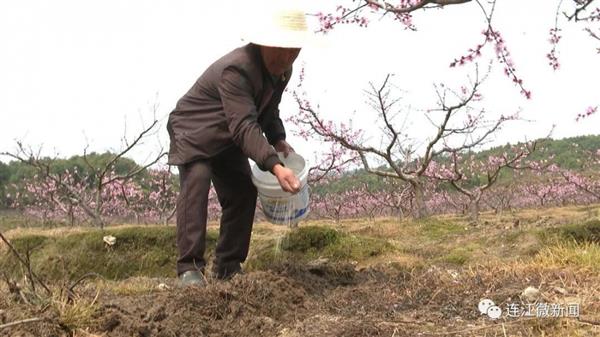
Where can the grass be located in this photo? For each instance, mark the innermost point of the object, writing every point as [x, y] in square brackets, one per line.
[587, 232]
[139, 251]
[436, 229]
[585, 255]
[150, 251]
[313, 242]
[575, 245]
[76, 313]
[460, 255]
[132, 286]
[310, 239]
[514, 236]
[10, 219]
[518, 243]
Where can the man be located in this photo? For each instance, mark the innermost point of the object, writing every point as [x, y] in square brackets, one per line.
[216, 126]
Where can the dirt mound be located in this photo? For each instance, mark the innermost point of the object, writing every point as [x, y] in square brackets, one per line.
[317, 299]
[255, 303]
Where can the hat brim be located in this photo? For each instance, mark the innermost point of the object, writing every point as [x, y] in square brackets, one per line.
[296, 40]
[293, 39]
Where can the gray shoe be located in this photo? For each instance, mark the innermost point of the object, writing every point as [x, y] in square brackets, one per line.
[192, 278]
[227, 273]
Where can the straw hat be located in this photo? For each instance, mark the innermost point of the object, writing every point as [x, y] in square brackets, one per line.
[278, 24]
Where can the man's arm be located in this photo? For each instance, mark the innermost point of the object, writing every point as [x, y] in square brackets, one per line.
[242, 118]
[275, 131]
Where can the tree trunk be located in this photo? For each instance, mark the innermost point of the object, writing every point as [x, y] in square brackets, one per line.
[499, 210]
[173, 211]
[474, 210]
[400, 212]
[97, 220]
[420, 207]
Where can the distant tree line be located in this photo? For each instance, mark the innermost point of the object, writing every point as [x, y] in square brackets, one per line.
[74, 191]
[15, 173]
[567, 153]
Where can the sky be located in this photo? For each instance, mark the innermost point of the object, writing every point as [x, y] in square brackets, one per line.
[83, 74]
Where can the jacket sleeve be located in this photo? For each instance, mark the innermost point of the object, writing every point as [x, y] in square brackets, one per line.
[275, 131]
[237, 98]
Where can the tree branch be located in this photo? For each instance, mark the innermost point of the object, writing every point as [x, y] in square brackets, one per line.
[411, 8]
[24, 321]
[18, 256]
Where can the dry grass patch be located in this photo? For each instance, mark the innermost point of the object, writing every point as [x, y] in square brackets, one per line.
[129, 287]
[585, 255]
[75, 313]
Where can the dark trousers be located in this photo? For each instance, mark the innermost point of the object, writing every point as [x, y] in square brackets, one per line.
[230, 174]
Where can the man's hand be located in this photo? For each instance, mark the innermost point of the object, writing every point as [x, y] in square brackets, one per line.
[287, 179]
[283, 146]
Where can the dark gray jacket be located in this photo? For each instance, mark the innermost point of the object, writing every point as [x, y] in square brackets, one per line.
[231, 104]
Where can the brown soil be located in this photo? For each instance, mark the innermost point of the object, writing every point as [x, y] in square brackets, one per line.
[325, 300]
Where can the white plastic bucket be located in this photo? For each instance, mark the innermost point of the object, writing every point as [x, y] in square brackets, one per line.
[282, 207]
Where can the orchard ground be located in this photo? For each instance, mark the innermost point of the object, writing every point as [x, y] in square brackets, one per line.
[382, 277]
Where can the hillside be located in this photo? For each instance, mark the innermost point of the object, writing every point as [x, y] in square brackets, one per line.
[569, 153]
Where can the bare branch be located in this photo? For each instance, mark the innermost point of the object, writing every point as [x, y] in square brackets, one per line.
[583, 4]
[85, 276]
[592, 34]
[27, 265]
[411, 8]
[23, 321]
[127, 149]
[442, 128]
[325, 170]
